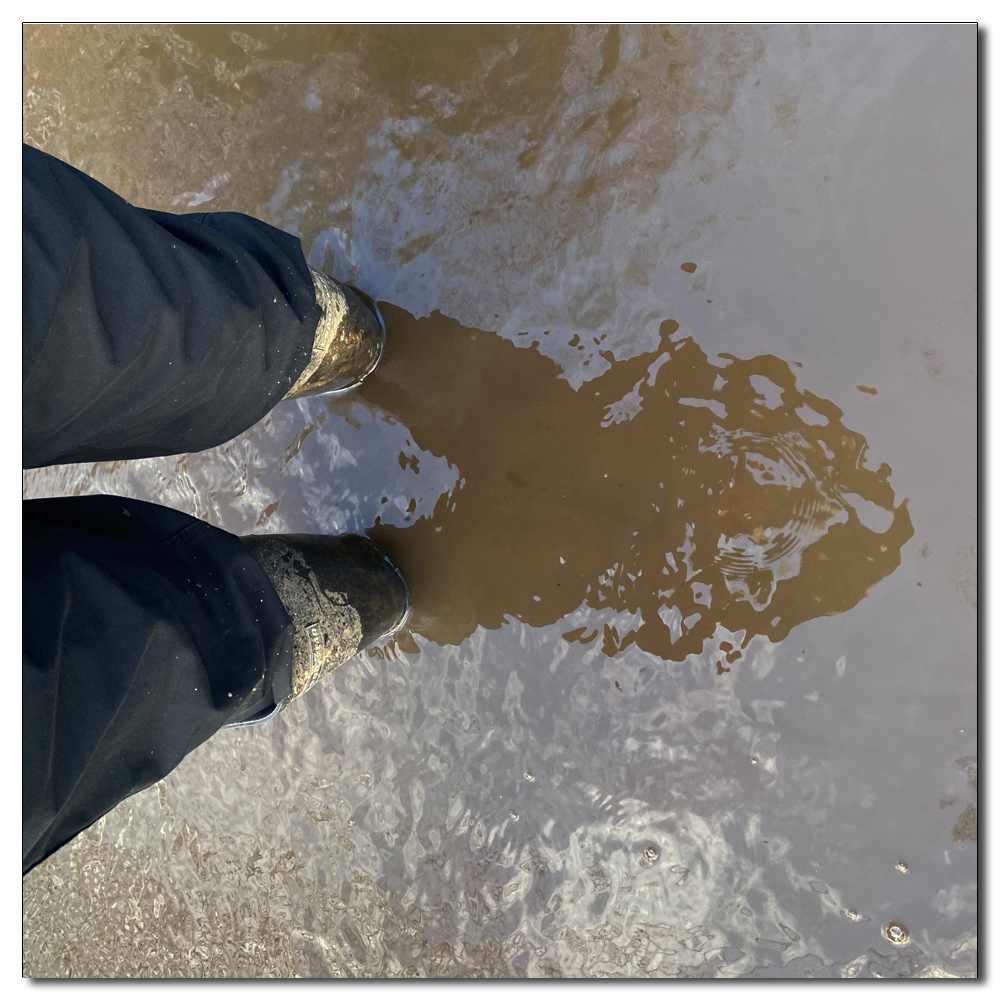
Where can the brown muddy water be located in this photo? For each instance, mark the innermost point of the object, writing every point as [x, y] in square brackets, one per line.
[675, 440]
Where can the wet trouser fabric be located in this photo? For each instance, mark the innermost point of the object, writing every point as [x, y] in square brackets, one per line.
[147, 333]
[144, 630]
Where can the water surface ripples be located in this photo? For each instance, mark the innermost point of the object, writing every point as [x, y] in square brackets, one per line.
[675, 454]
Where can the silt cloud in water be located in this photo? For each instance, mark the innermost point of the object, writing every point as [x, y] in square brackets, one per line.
[686, 493]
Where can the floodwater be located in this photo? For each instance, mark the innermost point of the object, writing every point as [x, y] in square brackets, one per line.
[675, 440]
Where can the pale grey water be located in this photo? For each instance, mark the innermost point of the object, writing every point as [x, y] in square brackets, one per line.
[531, 180]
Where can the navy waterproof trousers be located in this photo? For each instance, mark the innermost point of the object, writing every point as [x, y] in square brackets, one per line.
[144, 630]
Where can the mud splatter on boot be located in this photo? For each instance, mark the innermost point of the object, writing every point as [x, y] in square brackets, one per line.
[341, 592]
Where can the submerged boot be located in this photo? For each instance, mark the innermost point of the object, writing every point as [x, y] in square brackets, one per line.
[341, 592]
[348, 342]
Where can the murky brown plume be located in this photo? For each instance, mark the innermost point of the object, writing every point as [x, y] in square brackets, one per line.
[675, 442]
[688, 494]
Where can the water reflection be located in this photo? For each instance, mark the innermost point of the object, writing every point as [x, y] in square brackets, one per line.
[685, 492]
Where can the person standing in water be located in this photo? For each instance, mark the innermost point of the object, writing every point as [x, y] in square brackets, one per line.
[145, 630]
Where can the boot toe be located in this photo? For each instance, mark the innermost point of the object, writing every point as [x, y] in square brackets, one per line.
[349, 340]
[372, 584]
[348, 570]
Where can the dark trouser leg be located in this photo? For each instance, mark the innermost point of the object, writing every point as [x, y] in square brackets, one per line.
[145, 631]
[144, 334]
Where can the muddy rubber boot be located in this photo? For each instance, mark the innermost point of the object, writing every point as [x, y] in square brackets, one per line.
[348, 342]
[341, 592]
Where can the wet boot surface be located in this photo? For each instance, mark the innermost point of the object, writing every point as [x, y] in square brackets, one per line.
[341, 592]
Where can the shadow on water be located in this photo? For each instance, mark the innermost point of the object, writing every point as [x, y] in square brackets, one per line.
[687, 493]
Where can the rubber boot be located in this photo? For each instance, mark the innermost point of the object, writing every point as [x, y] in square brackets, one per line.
[348, 342]
[341, 592]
